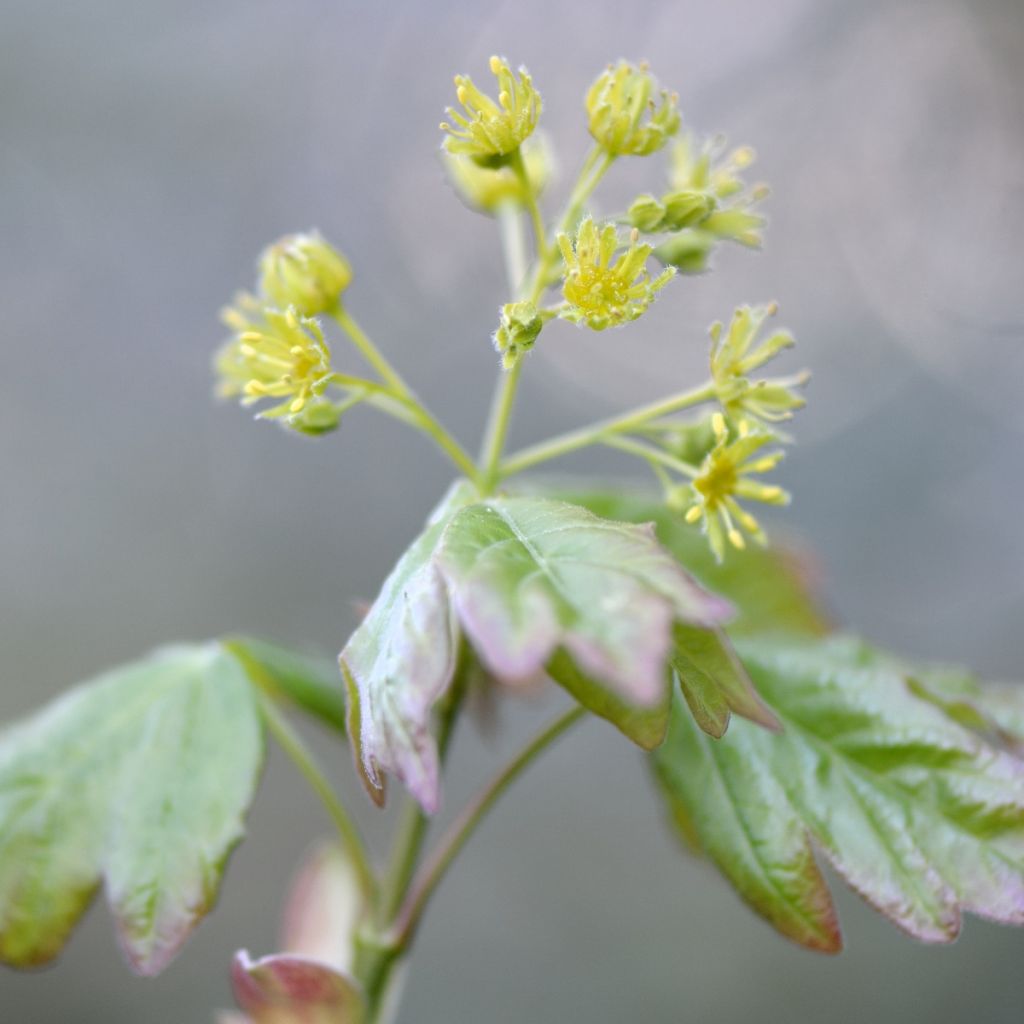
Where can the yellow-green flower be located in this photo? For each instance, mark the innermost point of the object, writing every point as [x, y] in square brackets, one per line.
[487, 189]
[704, 168]
[490, 131]
[304, 271]
[279, 355]
[735, 354]
[602, 290]
[623, 118]
[725, 476]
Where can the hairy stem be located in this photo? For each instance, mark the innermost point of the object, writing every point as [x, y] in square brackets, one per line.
[597, 432]
[466, 824]
[655, 456]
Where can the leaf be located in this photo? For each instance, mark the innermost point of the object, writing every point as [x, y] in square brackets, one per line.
[285, 989]
[399, 662]
[530, 576]
[771, 588]
[714, 682]
[645, 726]
[918, 814]
[310, 683]
[139, 779]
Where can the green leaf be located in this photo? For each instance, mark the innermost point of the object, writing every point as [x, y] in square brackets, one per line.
[645, 726]
[286, 989]
[714, 681]
[310, 683]
[530, 577]
[917, 813]
[771, 588]
[399, 663]
[140, 780]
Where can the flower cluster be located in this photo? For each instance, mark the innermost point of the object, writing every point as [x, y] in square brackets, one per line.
[623, 118]
[305, 272]
[708, 202]
[724, 476]
[603, 289]
[282, 355]
[734, 355]
[491, 131]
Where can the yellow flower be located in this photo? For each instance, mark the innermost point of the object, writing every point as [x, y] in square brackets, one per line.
[724, 476]
[304, 271]
[490, 131]
[599, 291]
[734, 355]
[276, 354]
[624, 120]
[489, 188]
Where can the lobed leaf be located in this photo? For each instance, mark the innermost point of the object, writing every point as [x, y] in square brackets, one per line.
[532, 577]
[399, 662]
[919, 814]
[771, 588]
[140, 780]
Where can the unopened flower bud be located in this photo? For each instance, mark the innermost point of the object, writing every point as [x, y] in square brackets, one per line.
[517, 331]
[304, 271]
[489, 188]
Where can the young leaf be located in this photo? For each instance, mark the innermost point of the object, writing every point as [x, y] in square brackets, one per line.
[920, 815]
[399, 662]
[286, 989]
[770, 588]
[311, 684]
[139, 779]
[529, 576]
[714, 682]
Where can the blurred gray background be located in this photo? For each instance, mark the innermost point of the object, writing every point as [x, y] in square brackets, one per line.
[149, 149]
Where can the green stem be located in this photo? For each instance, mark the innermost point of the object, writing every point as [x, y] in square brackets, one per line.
[377, 955]
[598, 432]
[408, 409]
[513, 245]
[532, 206]
[291, 743]
[370, 352]
[466, 824]
[651, 454]
[592, 172]
[497, 428]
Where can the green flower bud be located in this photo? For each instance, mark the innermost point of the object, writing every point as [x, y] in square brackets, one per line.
[517, 331]
[700, 168]
[623, 118]
[304, 271]
[672, 212]
[601, 290]
[490, 132]
[487, 189]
